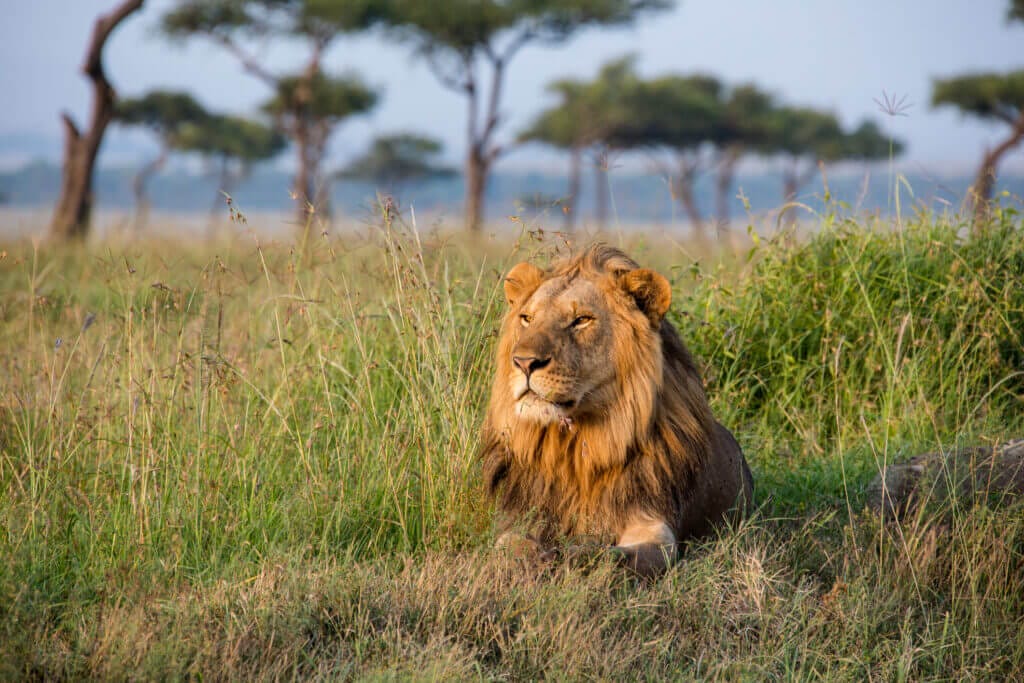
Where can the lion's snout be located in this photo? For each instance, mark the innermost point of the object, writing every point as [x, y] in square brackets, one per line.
[529, 363]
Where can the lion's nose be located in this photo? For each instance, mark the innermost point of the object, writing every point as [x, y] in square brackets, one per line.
[530, 363]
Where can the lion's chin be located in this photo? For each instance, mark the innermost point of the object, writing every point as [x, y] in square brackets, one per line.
[532, 407]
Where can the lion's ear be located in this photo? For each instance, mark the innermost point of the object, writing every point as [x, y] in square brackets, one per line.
[650, 290]
[520, 281]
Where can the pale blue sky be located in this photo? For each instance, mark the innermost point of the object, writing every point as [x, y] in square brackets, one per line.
[833, 54]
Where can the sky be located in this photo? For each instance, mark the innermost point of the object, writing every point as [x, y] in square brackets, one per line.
[840, 55]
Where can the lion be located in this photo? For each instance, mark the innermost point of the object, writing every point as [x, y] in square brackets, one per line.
[598, 429]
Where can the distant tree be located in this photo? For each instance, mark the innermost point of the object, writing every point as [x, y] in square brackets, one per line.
[744, 125]
[396, 160]
[309, 119]
[989, 97]
[676, 115]
[164, 113]
[458, 37]
[586, 116]
[307, 105]
[867, 142]
[803, 138]
[1016, 11]
[73, 211]
[232, 144]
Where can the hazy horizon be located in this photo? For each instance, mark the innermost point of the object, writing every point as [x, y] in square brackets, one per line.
[836, 56]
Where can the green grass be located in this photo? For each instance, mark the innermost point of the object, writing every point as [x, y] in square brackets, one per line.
[257, 461]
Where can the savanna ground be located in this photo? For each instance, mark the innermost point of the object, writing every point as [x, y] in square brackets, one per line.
[257, 461]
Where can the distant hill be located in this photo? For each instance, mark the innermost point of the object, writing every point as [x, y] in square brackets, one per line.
[636, 198]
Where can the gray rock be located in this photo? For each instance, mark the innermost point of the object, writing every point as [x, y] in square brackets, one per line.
[967, 476]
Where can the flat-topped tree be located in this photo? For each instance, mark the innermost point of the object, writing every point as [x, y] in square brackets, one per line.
[744, 125]
[867, 142]
[73, 211]
[308, 110]
[803, 138]
[587, 114]
[396, 160]
[163, 113]
[233, 144]
[298, 99]
[990, 97]
[461, 38]
[675, 117]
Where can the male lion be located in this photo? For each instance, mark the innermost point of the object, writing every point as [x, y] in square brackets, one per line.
[598, 427]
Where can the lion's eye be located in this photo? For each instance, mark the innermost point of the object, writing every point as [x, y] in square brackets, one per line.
[581, 321]
[525, 320]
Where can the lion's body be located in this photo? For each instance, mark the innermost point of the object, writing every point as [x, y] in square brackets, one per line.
[598, 426]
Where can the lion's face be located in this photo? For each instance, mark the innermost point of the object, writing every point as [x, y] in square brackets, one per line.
[570, 335]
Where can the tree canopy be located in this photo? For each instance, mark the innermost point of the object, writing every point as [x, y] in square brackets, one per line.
[232, 137]
[457, 36]
[396, 159]
[162, 111]
[992, 96]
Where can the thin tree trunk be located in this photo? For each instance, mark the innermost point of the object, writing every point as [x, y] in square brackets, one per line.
[139, 183]
[601, 199]
[73, 210]
[476, 187]
[723, 183]
[790, 182]
[682, 188]
[575, 181]
[980, 194]
[302, 184]
[684, 193]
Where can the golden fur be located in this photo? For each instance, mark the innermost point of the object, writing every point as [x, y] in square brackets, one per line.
[598, 426]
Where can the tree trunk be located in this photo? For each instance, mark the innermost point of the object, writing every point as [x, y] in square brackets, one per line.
[476, 186]
[723, 184]
[73, 210]
[139, 183]
[575, 180]
[790, 183]
[601, 191]
[302, 187]
[980, 194]
[682, 188]
[684, 193]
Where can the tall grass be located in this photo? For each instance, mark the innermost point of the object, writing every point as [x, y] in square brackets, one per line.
[258, 461]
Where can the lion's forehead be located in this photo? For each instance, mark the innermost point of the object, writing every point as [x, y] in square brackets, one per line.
[563, 296]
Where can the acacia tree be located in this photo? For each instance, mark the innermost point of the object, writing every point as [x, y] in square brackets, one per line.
[395, 160]
[73, 211]
[309, 119]
[989, 97]
[586, 116]
[744, 125]
[675, 118]
[164, 113]
[803, 138]
[460, 39]
[302, 103]
[232, 144]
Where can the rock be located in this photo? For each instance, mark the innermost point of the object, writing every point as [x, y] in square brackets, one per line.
[969, 475]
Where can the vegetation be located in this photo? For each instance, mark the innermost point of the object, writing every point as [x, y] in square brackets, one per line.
[308, 105]
[457, 38]
[396, 160]
[73, 211]
[164, 113]
[688, 124]
[990, 97]
[259, 462]
[233, 144]
[584, 120]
